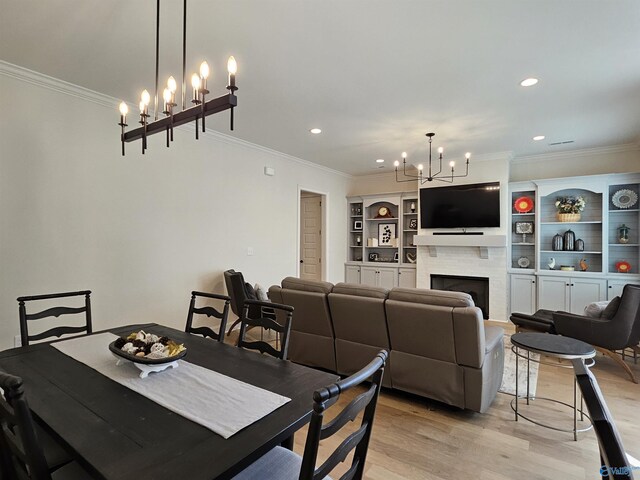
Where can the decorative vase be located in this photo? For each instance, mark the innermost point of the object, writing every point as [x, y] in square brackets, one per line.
[358, 240]
[557, 242]
[569, 240]
[579, 245]
[413, 207]
[623, 234]
[568, 217]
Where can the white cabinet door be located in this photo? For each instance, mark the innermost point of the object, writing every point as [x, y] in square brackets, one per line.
[553, 293]
[407, 277]
[387, 277]
[523, 294]
[352, 274]
[615, 289]
[369, 276]
[585, 291]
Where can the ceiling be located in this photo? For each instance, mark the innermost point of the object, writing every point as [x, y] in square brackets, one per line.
[374, 75]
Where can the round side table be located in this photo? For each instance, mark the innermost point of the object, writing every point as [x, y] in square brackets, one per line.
[554, 346]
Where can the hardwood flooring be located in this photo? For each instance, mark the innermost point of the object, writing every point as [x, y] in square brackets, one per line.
[416, 438]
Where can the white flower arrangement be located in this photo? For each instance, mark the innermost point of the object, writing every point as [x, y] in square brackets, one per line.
[570, 204]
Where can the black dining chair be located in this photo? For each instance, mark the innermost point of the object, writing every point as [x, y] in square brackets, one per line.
[239, 291]
[283, 464]
[59, 330]
[209, 312]
[22, 455]
[613, 458]
[266, 321]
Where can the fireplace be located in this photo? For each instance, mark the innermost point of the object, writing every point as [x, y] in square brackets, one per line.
[477, 287]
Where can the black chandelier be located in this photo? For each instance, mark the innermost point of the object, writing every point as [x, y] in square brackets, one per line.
[431, 176]
[201, 106]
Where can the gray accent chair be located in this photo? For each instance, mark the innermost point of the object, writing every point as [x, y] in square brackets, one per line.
[312, 339]
[360, 325]
[441, 349]
[607, 335]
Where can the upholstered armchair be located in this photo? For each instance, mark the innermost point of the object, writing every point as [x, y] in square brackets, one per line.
[620, 331]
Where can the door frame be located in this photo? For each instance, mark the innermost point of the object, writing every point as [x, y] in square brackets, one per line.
[324, 196]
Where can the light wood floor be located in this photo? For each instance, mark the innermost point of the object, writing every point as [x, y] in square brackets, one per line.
[415, 438]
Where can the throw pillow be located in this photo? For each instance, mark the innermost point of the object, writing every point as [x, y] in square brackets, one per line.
[261, 293]
[611, 309]
[595, 309]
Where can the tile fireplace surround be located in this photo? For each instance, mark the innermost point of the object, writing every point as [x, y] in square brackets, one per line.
[464, 257]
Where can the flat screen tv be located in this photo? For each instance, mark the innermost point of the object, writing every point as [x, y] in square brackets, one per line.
[460, 206]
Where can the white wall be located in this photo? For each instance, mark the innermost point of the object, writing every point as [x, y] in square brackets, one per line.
[379, 183]
[140, 231]
[594, 161]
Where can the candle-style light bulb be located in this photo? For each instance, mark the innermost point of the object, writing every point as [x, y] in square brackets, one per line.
[440, 150]
[404, 155]
[124, 109]
[232, 67]
[467, 156]
[204, 74]
[420, 167]
[172, 85]
[145, 97]
[195, 83]
[396, 163]
[166, 94]
[141, 107]
[452, 164]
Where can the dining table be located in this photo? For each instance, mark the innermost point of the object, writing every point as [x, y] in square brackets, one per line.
[118, 434]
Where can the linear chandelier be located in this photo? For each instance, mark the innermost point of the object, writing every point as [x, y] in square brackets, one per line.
[201, 106]
[431, 175]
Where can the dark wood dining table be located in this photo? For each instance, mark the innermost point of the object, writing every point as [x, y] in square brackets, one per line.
[118, 434]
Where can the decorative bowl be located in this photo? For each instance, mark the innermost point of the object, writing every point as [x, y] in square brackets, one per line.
[567, 268]
[143, 360]
[568, 217]
[523, 205]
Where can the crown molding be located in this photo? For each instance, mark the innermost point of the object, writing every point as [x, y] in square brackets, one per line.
[555, 156]
[41, 80]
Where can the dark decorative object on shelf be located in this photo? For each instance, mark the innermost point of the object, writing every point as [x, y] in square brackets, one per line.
[579, 246]
[413, 207]
[395, 257]
[373, 257]
[557, 242]
[569, 240]
[357, 225]
[623, 234]
[413, 224]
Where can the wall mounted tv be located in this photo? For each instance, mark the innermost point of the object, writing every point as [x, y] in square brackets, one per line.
[460, 206]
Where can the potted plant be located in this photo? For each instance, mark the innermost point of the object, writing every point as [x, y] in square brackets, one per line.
[569, 208]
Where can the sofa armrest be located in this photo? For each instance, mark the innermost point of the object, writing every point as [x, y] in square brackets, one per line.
[493, 337]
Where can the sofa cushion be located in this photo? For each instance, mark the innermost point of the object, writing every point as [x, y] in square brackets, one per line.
[360, 290]
[611, 309]
[431, 297]
[293, 283]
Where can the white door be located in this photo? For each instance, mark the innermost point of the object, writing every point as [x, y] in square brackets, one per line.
[407, 277]
[310, 237]
[352, 274]
[523, 294]
[585, 291]
[615, 289]
[369, 276]
[553, 293]
[387, 277]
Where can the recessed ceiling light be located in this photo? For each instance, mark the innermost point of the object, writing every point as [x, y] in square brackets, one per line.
[315, 131]
[380, 160]
[529, 82]
[538, 137]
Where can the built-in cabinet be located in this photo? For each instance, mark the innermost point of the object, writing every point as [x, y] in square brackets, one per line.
[380, 248]
[549, 267]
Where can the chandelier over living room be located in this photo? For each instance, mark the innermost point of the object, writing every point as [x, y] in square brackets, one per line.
[201, 106]
[431, 175]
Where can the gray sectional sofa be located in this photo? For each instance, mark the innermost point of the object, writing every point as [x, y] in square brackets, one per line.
[439, 345]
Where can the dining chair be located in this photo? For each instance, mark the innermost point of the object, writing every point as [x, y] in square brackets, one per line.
[22, 455]
[282, 326]
[209, 312]
[615, 462]
[283, 464]
[59, 330]
[239, 291]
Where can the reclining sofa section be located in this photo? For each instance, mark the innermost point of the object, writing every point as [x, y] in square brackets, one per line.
[439, 345]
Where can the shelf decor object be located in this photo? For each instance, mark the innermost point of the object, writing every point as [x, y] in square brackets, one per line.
[569, 239]
[524, 228]
[623, 234]
[201, 106]
[523, 205]
[623, 266]
[386, 234]
[569, 208]
[524, 262]
[624, 198]
[579, 246]
[413, 224]
[557, 242]
[431, 175]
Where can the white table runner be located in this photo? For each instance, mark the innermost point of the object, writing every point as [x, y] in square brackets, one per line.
[220, 403]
